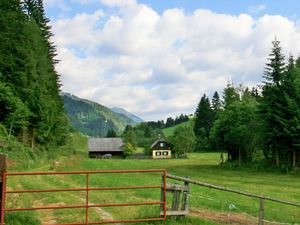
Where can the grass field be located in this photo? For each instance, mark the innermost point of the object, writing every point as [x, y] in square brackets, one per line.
[207, 206]
[170, 130]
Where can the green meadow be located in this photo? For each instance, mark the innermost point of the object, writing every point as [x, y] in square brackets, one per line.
[207, 206]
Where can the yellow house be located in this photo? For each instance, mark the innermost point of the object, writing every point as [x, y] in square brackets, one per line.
[161, 150]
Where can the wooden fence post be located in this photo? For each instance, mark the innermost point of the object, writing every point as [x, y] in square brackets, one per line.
[261, 211]
[185, 197]
[3, 165]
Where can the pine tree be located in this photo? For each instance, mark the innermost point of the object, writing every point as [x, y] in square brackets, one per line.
[275, 68]
[203, 116]
[216, 105]
[230, 95]
[272, 103]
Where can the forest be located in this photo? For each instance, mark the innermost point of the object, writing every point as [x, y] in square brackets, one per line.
[265, 119]
[31, 110]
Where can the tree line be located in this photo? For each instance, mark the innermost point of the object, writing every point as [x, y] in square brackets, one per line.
[262, 121]
[170, 121]
[30, 106]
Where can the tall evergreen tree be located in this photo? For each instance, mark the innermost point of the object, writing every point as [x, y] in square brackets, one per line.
[230, 95]
[274, 70]
[271, 104]
[216, 104]
[203, 116]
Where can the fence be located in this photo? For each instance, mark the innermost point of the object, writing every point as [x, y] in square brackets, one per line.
[87, 189]
[260, 197]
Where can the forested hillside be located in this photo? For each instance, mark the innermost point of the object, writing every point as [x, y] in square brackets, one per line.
[31, 110]
[93, 119]
[127, 114]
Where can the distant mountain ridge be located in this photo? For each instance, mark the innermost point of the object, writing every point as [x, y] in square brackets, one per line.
[93, 119]
[128, 114]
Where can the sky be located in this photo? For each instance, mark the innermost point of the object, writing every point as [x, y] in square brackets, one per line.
[156, 58]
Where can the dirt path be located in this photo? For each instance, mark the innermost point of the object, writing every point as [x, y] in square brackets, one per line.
[224, 218]
[49, 216]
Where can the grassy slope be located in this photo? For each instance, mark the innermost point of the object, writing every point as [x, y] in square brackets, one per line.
[170, 130]
[201, 166]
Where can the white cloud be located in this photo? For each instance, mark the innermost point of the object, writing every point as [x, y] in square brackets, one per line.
[118, 3]
[159, 65]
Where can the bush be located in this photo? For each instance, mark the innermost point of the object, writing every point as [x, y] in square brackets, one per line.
[128, 149]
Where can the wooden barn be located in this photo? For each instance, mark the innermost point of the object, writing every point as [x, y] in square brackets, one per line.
[161, 149]
[105, 148]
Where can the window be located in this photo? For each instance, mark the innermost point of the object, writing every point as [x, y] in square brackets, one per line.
[161, 145]
[158, 153]
[165, 153]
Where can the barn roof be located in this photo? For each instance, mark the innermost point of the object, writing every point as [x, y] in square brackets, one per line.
[105, 144]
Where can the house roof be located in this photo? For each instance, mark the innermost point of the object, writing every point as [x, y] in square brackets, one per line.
[105, 144]
[157, 141]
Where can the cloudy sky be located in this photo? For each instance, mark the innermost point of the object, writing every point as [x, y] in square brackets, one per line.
[156, 58]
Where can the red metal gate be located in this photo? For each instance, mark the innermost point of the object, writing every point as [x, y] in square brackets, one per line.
[87, 189]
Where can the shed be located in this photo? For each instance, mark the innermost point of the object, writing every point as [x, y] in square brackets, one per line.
[103, 147]
[161, 149]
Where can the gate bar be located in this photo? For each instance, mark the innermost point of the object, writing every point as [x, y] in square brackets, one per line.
[84, 189]
[82, 206]
[84, 172]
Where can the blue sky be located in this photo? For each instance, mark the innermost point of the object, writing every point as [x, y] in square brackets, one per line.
[287, 8]
[157, 58]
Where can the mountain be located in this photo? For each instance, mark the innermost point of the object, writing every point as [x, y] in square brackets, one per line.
[128, 114]
[93, 119]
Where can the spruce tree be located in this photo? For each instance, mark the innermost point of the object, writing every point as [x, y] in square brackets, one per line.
[216, 105]
[272, 103]
[203, 116]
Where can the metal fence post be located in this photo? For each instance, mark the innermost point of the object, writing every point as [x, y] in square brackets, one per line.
[3, 167]
[87, 198]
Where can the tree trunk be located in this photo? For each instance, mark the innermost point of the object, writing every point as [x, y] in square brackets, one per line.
[32, 140]
[240, 158]
[294, 157]
[10, 130]
[222, 157]
[277, 157]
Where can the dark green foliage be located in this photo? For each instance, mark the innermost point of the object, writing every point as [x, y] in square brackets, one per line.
[32, 108]
[93, 119]
[160, 124]
[279, 109]
[204, 117]
[13, 113]
[230, 95]
[129, 137]
[236, 130]
[275, 68]
[216, 105]
[183, 139]
[111, 133]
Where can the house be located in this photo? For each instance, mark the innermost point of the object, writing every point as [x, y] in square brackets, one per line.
[161, 149]
[105, 148]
